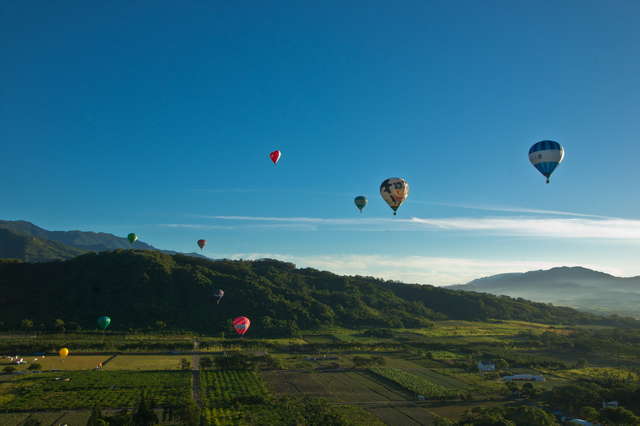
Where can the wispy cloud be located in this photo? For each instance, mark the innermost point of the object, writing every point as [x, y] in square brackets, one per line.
[520, 226]
[194, 226]
[416, 269]
[520, 210]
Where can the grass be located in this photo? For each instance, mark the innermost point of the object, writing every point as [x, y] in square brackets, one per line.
[146, 362]
[413, 383]
[601, 373]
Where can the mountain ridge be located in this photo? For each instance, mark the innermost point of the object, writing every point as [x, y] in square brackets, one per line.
[576, 286]
[70, 242]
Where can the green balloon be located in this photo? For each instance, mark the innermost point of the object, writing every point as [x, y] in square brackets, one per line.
[360, 201]
[132, 238]
[103, 322]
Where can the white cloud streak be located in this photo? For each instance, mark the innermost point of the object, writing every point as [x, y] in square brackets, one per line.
[520, 226]
[520, 210]
[415, 269]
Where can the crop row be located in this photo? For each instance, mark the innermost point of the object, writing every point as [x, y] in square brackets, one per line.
[88, 388]
[220, 388]
[221, 416]
[414, 383]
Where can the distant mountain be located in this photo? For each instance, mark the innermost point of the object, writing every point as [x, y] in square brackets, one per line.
[65, 244]
[138, 288]
[577, 287]
[91, 241]
[31, 249]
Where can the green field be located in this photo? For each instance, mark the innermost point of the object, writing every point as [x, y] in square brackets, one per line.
[438, 363]
[414, 383]
[145, 362]
[85, 389]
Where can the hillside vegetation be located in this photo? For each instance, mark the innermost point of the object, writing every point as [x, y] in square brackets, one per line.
[148, 289]
[31, 249]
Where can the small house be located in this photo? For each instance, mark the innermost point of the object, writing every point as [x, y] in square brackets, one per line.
[483, 367]
[609, 404]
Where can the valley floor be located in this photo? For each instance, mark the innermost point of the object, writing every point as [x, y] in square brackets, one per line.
[396, 377]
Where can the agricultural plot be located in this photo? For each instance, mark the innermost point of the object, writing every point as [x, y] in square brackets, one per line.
[403, 416]
[80, 389]
[601, 373]
[145, 362]
[344, 386]
[46, 418]
[413, 383]
[73, 362]
[223, 391]
[319, 338]
[471, 382]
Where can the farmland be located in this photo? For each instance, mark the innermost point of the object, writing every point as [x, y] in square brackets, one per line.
[414, 383]
[84, 389]
[406, 363]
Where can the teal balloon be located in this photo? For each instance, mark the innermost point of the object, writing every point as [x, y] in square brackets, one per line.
[360, 202]
[103, 322]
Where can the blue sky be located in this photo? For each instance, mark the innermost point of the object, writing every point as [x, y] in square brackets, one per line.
[158, 117]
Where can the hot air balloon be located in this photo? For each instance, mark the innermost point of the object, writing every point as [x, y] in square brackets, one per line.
[219, 294]
[241, 325]
[202, 243]
[394, 191]
[545, 156]
[360, 201]
[132, 238]
[103, 322]
[275, 156]
[63, 353]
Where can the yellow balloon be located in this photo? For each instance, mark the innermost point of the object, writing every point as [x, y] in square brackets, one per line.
[64, 352]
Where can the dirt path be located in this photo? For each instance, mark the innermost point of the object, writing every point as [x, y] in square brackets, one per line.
[106, 361]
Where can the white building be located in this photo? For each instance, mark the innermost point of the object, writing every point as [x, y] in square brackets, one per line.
[482, 367]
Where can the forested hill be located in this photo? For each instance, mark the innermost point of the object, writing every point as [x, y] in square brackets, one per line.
[25, 241]
[31, 249]
[87, 241]
[140, 288]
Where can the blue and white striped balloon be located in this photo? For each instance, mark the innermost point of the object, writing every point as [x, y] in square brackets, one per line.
[545, 156]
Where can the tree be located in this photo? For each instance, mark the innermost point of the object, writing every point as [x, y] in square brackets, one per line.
[189, 413]
[160, 325]
[185, 364]
[441, 421]
[582, 363]
[144, 414]
[590, 413]
[26, 324]
[9, 369]
[501, 364]
[618, 416]
[206, 362]
[58, 325]
[530, 416]
[96, 415]
[34, 366]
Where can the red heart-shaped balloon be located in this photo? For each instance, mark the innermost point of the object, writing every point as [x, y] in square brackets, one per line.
[275, 156]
